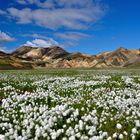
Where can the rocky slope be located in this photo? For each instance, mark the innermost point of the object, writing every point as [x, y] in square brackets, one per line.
[57, 57]
[117, 58]
[7, 61]
[54, 56]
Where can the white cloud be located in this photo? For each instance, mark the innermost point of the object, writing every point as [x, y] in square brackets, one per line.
[42, 43]
[5, 38]
[2, 49]
[21, 1]
[2, 12]
[75, 36]
[22, 16]
[69, 44]
[52, 4]
[24, 2]
[5, 49]
[54, 14]
[34, 35]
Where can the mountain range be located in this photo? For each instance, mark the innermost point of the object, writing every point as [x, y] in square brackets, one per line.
[26, 57]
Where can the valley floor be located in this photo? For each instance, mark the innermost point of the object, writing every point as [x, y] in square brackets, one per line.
[70, 104]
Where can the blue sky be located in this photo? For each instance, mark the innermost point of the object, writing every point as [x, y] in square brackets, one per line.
[89, 26]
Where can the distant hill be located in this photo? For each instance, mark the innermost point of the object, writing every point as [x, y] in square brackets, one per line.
[117, 58]
[26, 57]
[7, 62]
[133, 62]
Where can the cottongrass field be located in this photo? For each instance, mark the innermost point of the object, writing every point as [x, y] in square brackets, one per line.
[70, 105]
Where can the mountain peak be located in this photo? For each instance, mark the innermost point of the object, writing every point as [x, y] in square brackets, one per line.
[55, 57]
[21, 50]
[122, 49]
[2, 53]
[53, 52]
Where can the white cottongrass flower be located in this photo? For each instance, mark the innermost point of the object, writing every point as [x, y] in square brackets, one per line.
[137, 123]
[119, 126]
[125, 133]
[2, 137]
[134, 130]
[121, 136]
[109, 138]
[72, 138]
[114, 135]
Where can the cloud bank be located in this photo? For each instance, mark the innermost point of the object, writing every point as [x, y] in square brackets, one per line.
[5, 38]
[73, 36]
[67, 19]
[35, 35]
[42, 43]
[55, 14]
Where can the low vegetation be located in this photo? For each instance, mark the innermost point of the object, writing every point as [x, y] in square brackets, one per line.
[70, 104]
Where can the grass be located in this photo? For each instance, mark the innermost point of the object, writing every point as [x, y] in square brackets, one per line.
[67, 91]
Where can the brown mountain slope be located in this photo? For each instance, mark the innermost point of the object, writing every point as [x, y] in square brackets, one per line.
[57, 57]
[133, 62]
[53, 52]
[8, 61]
[21, 51]
[117, 58]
